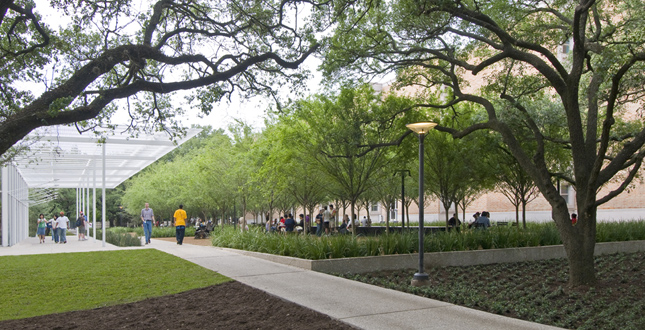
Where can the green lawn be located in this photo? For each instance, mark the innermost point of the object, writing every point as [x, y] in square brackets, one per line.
[53, 283]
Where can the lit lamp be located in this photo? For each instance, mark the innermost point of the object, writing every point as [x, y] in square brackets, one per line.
[422, 129]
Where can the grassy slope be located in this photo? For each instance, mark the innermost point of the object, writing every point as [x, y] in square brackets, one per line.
[44, 284]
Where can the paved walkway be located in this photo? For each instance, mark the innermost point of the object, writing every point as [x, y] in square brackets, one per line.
[361, 305]
[31, 246]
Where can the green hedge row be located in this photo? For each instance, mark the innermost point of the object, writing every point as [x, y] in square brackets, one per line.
[341, 246]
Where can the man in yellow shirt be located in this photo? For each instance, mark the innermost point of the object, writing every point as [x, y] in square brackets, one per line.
[180, 224]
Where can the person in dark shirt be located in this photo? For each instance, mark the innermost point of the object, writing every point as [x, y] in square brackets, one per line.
[289, 223]
[343, 227]
[475, 217]
[301, 223]
[319, 222]
[454, 222]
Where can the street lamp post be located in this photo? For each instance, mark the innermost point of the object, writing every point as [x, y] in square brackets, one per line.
[421, 278]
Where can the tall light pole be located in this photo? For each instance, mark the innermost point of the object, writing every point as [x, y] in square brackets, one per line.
[422, 129]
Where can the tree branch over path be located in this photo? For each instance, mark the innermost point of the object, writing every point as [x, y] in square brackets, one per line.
[217, 48]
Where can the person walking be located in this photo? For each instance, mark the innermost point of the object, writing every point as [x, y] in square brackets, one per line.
[147, 219]
[49, 229]
[81, 227]
[42, 227]
[61, 225]
[54, 230]
[179, 219]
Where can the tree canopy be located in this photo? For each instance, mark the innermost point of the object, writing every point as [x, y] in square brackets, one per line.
[115, 50]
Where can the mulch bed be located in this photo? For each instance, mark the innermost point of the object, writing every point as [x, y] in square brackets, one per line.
[231, 305]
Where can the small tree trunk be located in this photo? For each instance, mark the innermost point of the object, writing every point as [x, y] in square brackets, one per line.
[463, 215]
[446, 207]
[387, 219]
[524, 214]
[352, 219]
[311, 219]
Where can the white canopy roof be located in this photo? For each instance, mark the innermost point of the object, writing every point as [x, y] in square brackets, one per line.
[61, 157]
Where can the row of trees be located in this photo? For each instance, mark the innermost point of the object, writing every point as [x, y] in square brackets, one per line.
[325, 149]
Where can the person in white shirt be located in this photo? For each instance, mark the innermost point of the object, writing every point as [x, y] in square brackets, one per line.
[364, 221]
[52, 224]
[61, 225]
[327, 215]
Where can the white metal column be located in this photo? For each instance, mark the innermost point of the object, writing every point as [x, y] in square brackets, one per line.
[15, 207]
[76, 209]
[5, 206]
[87, 204]
[13, 213]
[94, 203]
[103, 197]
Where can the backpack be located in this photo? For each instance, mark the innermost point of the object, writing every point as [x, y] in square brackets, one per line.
[78, 222]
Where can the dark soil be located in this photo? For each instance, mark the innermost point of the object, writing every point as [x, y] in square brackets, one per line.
[231, 305]
[537, 291]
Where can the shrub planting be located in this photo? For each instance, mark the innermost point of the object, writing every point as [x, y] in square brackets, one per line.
[345, 246]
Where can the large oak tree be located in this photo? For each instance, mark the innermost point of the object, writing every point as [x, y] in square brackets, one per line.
[141, 53]
[514, 49]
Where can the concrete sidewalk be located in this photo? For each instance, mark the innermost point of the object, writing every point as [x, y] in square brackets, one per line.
[359, 304]
[31, 245]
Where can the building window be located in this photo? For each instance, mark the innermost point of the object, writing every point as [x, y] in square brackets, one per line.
[564, 191]
[374, 207]
[566, 47]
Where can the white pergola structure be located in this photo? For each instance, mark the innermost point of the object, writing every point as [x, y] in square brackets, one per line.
[61, 157]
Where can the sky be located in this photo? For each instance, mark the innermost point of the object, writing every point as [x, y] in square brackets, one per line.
[251, 111]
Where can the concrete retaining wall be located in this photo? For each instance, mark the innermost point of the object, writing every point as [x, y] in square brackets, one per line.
[442, 259]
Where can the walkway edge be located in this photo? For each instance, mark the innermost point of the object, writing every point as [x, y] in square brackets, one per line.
[440, 259]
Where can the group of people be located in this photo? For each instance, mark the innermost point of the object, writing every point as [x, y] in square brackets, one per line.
[326, 215]
[346, 225]
[323, 219]
[57, 227]
[286, 224]
[481, 220]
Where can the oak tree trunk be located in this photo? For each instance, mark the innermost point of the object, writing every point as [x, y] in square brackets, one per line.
[579, 243]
